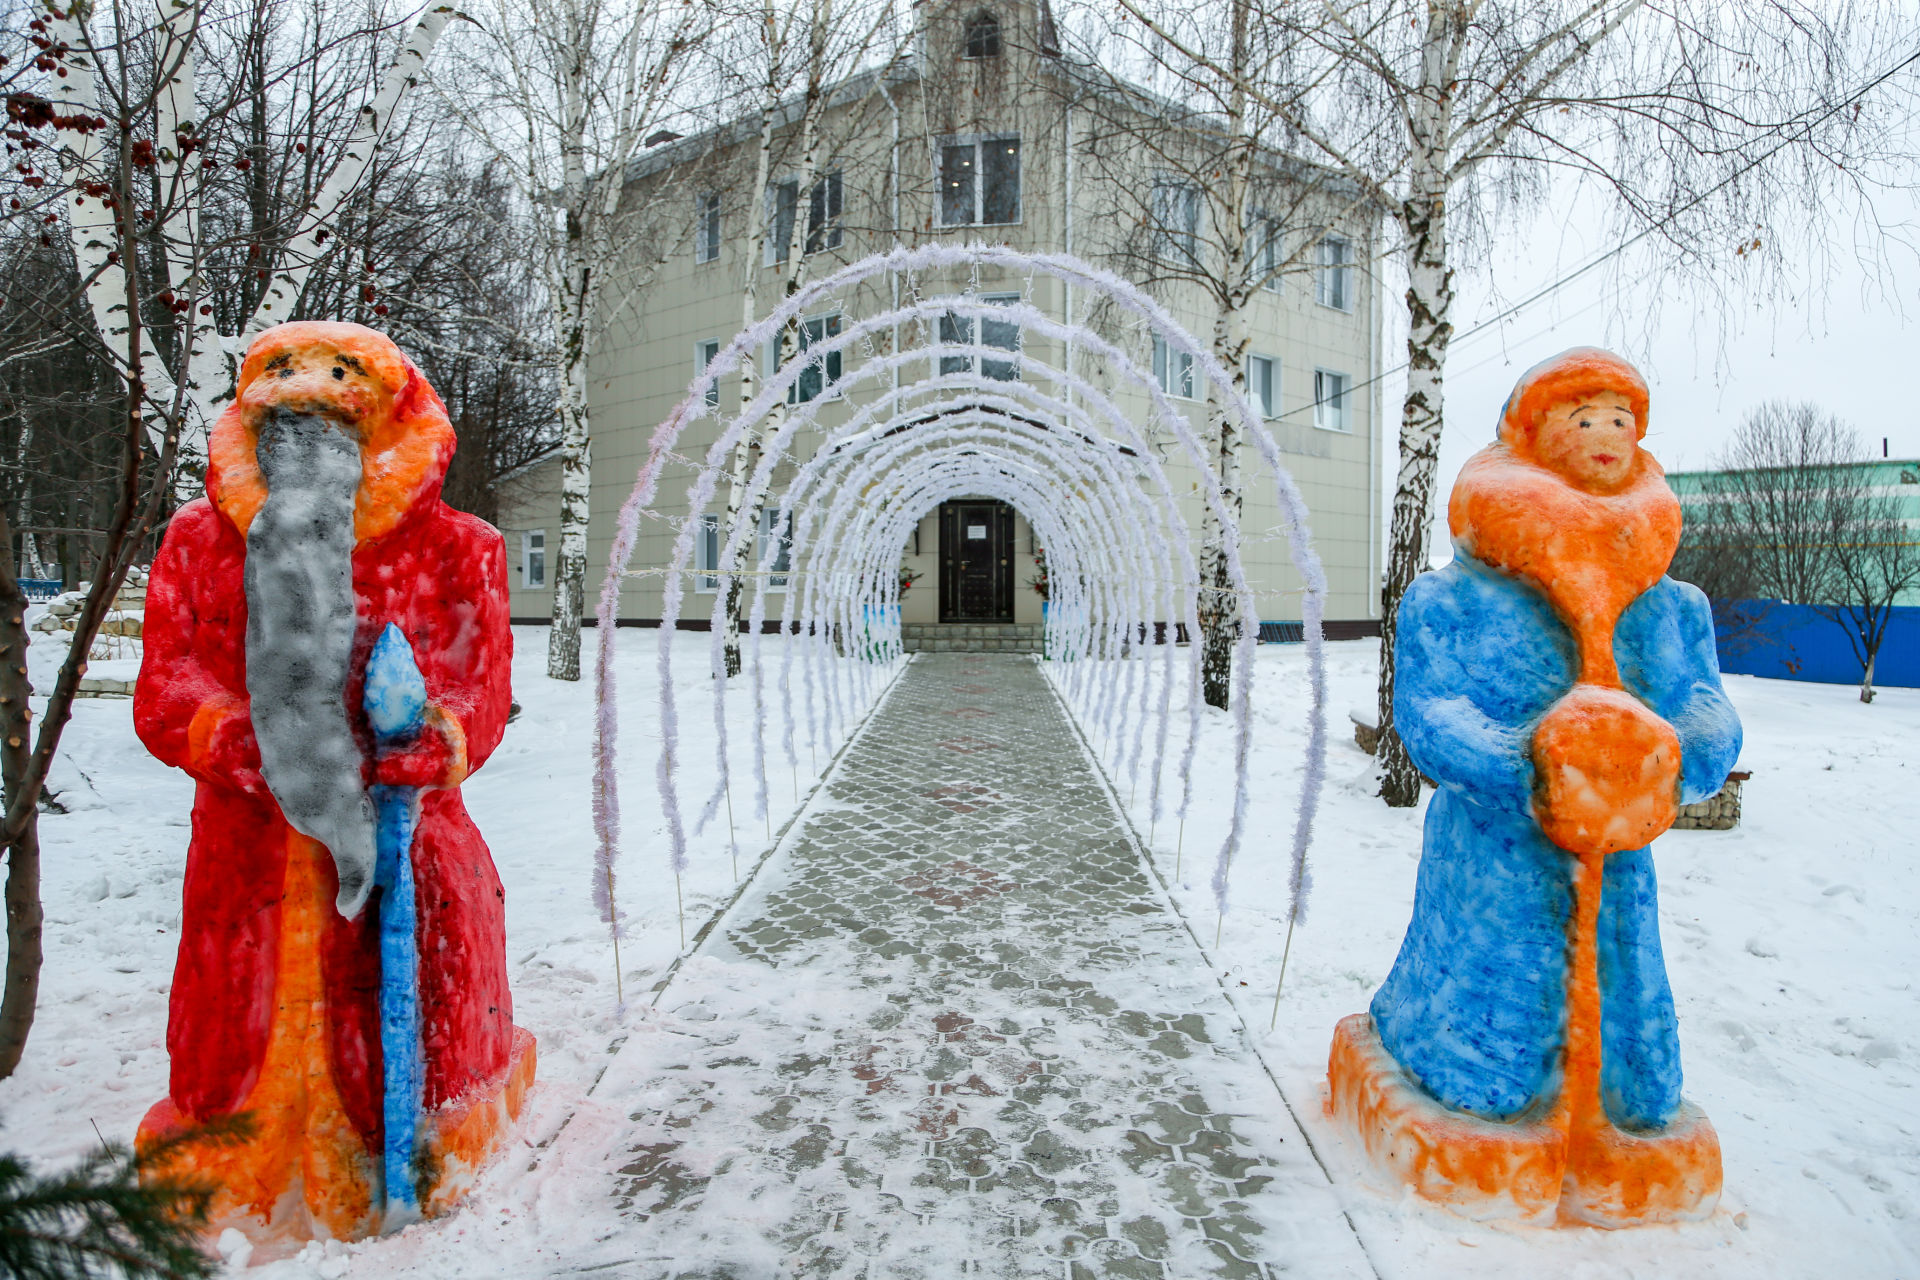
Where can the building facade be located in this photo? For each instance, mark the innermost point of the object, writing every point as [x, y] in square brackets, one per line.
[1893, 481]
[985, 134]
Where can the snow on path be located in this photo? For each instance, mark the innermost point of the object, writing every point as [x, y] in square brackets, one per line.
[954, 1028]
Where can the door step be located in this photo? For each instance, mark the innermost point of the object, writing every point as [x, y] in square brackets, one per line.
[970, 637]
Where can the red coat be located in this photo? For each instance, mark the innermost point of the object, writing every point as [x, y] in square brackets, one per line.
[441, 576]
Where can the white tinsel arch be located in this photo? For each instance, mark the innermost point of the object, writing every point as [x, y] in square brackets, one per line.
[1119, 575]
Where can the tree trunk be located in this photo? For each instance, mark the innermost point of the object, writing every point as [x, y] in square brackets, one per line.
[1429, 114]
[1220, 610]
[573, 314]
[24, 914]
[754, 248]
[1866, 679]
[1429, 302]
[738, 502]
[576, 465]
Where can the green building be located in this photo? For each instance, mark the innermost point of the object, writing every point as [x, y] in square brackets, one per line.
[1700, 492]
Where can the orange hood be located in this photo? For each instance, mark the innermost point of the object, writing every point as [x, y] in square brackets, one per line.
[359, 378]
[1591, 554]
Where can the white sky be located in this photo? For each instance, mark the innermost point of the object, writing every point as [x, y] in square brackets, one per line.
[1849, 342]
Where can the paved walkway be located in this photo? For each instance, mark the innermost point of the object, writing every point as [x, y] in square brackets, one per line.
[955, 1029]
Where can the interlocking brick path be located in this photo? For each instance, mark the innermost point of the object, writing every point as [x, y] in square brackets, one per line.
[955, 1029]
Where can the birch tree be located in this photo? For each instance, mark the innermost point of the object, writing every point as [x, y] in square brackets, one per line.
[51, 117]
[1210, 200]
[192, 357]
[1690, 127]
[1797, 512]
[801, 54]
[564, 96]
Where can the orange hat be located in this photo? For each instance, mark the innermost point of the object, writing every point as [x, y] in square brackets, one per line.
[1574, 373]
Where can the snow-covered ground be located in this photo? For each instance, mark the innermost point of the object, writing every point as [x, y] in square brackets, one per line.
[1790, 943]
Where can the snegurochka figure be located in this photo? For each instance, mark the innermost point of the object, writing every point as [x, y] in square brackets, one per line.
[1522, 1058]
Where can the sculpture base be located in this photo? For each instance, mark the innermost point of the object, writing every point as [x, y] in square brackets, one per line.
[1621, 1179]
[1526, 1170]
[285, 1184]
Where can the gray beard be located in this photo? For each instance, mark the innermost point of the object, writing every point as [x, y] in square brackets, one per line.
[300, 628]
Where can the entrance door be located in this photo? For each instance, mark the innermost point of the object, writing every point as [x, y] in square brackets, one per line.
[976, 561]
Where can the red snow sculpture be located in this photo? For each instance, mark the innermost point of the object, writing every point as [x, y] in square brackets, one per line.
[322, 525]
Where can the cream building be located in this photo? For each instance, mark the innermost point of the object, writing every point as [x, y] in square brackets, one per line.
[986, 134]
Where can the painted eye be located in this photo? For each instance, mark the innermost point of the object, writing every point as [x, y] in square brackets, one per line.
[338, 373]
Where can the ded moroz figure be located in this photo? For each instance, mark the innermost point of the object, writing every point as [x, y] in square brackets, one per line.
[327, 654]
[1522, 1058]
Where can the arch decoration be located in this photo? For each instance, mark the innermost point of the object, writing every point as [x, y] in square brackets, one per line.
[1087, 474]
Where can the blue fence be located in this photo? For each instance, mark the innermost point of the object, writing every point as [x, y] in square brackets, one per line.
[41, 588]
[1796, 642]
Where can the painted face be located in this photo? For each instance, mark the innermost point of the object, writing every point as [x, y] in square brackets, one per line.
[1589, 442]
[318, 379]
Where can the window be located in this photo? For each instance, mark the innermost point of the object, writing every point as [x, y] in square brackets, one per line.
[706, 228]
[980, 182]
[533, 559]
[823, 217]
[706, 554]
[1332, 400]
[711, 540]
[820, 374]
[705, 353]
[1176, 220]
[1263, 385]
[778, 560]
[1173, 370]
[1269, 251]
[1333, 274]
[983, 35]
[1002, 335]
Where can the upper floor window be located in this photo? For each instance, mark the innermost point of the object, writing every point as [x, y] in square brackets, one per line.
[1332, 400]
[823, 216]
[1263, 385]
[1001, 335]
[980, 182]
[706, 228]
[1269, 252]
[705, 352]
[1333, 274]
[983, 35]
[1176, 220]
[1173, 370]
[822, 371]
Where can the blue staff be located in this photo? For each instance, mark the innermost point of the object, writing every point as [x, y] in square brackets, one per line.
[396, 704]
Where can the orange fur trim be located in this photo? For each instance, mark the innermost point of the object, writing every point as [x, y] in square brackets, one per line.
[1478, 1168]
[456, 736]
[1591, 554]
[406, 441]
[467, 1133]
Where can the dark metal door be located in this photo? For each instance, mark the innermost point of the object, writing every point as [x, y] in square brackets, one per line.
[976, 561]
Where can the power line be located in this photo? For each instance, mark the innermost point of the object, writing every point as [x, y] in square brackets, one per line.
[1649, 230]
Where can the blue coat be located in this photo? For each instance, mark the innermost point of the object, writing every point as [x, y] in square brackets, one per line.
[1475, 1007]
